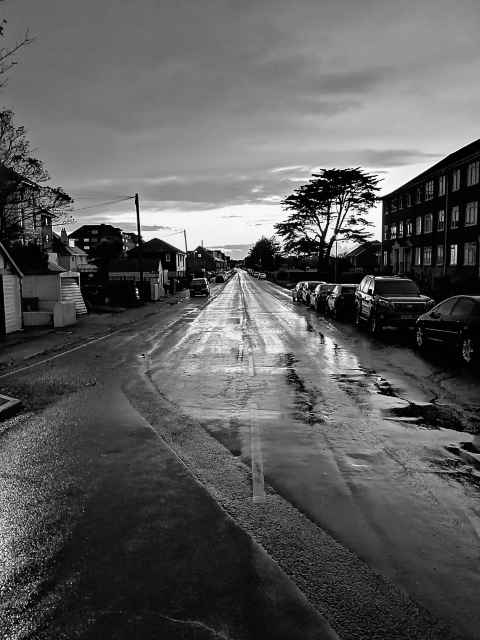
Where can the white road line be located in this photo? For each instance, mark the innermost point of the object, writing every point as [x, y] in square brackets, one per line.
[258, 482]
[63, 353]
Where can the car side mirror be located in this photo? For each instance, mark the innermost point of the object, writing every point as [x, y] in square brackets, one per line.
[370, 292]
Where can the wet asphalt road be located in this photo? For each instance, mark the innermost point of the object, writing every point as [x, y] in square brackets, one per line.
[296, 425]
[353, 431]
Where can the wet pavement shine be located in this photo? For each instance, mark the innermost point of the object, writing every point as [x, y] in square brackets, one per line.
[354, 432]
[241, 467]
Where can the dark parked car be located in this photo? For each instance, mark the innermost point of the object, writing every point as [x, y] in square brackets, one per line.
[391, 301]
[341, 301]
[454, 322]
[219, 278]
[318, 299]
[296, 292]
[199, 287]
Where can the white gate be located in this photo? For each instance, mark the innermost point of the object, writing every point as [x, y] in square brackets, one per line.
[12, 303]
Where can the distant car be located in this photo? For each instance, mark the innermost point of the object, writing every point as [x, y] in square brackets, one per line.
[307, 290]
[318, 298]
[255, 274]
[262, 276]
[199, 287]
[341, 301]
[219, 278]
[296, 292]
[454, 322]
[389, 301]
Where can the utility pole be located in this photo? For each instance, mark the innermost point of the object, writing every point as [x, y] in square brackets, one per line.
[185, 236]
[140, 246]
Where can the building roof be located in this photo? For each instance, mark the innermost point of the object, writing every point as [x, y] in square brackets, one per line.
[86, 229]
[471, 149]
[5, 253]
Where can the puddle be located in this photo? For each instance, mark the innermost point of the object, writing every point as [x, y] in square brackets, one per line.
[427, 416]
[457, 470]
[305, 399]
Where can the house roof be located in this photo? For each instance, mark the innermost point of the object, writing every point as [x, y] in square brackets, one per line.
[155, 247]
[374, 244]
[5, 253]
[471, 149]
[132, 265]
[66, 250]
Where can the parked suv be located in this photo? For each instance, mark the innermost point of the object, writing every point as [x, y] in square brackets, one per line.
[383, 301]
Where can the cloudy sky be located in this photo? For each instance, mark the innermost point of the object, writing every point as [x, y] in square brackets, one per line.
[213, 110]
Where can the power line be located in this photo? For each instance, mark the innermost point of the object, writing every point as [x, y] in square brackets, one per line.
[102, 204]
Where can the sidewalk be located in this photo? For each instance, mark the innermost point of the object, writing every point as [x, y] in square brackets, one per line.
[18, 347]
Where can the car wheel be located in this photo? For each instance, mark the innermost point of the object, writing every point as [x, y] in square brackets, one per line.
[467, 350]
[374, 326]
[420, 338]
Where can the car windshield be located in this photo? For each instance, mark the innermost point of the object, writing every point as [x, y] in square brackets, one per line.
[312, 285]
[396, 288]
[198, 281]
[350, 289]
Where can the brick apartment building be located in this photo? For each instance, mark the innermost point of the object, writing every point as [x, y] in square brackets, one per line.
[430, 225]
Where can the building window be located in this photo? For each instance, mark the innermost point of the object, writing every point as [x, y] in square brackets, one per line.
[456, 180]
[427, 256]
[167, 257]
[394, 205]
[385, 231]
[418, 195]
[409, 228]
[427, 223]
[471, 213]
[440, 254]
[418, 225]
[473, 173]
[454, 221]
[393, 231]
[418, 256]
[470, 253]
[400, 202]
[385, 258]
[442, 185]
[400, 229]
[408, 200]
[429, 190]
[94, 232]
[441, 220]
[453, 254]
[386, 207]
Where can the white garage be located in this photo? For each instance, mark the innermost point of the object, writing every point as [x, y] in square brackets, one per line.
[10, 294]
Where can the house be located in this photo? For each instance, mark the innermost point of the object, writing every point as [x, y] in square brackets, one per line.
[70, 257]
[200, 261]
[430, 225]
[172, 258]
[365, 258]
[89, 236]
[10, 294]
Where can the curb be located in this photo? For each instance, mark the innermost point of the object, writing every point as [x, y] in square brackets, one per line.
[9, 406]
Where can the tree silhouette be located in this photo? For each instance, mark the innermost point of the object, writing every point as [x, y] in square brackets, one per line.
[332, 206]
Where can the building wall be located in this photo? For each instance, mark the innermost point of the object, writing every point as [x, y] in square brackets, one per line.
[417, 243]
